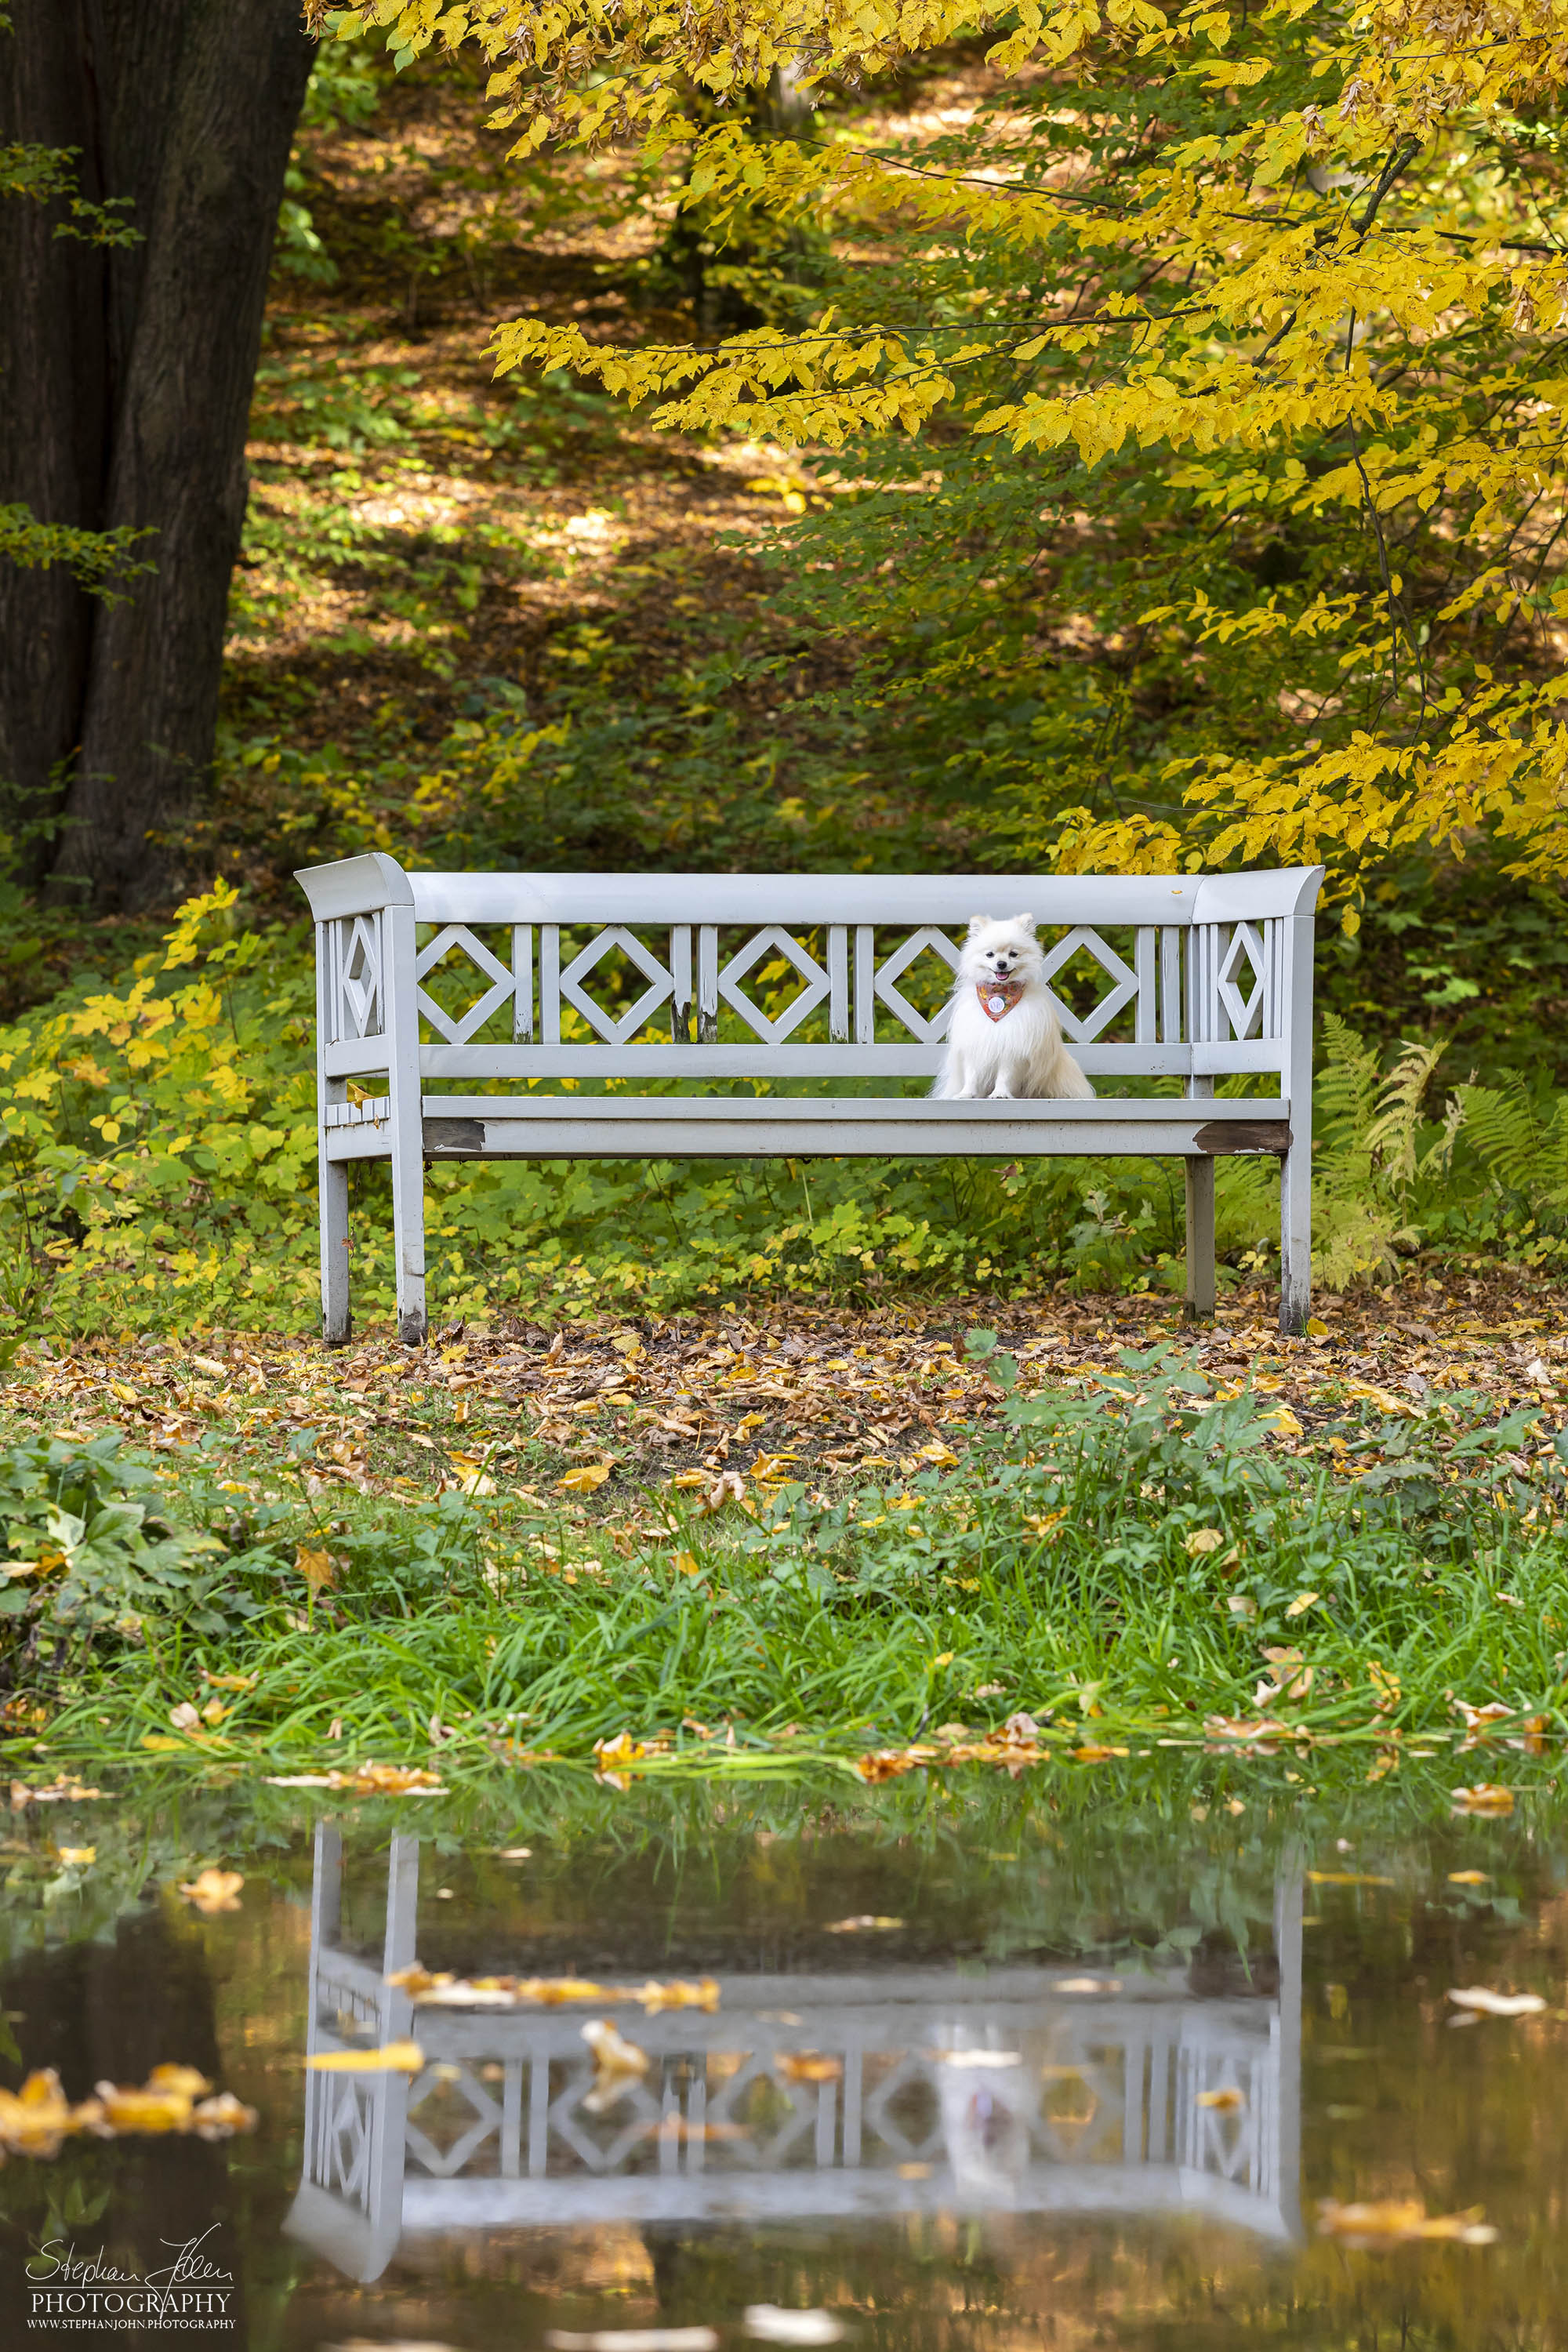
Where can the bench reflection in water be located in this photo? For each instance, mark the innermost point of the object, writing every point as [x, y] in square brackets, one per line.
[1100, 2113]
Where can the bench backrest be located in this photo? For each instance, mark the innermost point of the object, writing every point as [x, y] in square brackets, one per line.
[1211, 973]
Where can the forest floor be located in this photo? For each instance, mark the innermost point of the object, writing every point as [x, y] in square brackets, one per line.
[813, 1536]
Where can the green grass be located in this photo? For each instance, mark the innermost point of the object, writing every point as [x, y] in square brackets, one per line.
[1115, 1564]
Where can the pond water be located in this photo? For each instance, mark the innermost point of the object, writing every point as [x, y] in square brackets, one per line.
[978, 2074]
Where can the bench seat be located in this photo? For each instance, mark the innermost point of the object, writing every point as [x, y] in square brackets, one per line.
[1216, 984]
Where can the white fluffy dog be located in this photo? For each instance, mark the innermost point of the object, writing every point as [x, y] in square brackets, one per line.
[1004, 1038]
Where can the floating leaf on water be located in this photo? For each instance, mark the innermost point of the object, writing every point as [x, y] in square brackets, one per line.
[808, 2066]
[984, 2058]
[214, 1890]
[64, 1791]
[613, 2053]
[515, 1853]
[1347, 1878]
[1498, 2004]
[1225, 2101]
[865, 1921]
[1400, 2222]
[391, 2058]
[1087, 1984]
[635, 2339]
[776, 2325]
[677, 1992]
[1486, 1797]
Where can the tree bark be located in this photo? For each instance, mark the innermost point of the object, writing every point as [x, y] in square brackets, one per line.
[125, 384]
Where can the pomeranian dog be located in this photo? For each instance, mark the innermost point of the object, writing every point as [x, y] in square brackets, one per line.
[1004, 1038]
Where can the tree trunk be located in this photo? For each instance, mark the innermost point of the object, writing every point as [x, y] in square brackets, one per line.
[125, 383]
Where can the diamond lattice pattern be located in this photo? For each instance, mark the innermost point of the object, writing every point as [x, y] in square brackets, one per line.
[659, 990]
[773, 942]
[888, 974]
[359, 946]
[1083, 1029]
[1244, 960]
[458, 938]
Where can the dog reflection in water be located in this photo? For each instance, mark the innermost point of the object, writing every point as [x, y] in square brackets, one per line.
[981, 2093]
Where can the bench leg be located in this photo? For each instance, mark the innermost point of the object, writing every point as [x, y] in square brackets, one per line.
[408, 1235]
[337, 1320]
[1296, 1237]
[1200, 1302]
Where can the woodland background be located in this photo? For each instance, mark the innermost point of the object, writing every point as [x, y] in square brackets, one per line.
[481, 621]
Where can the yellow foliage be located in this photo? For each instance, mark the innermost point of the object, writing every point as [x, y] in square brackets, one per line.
[1264, 248]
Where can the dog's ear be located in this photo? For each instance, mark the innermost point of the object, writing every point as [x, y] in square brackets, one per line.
[978, 923]
[1025, 923]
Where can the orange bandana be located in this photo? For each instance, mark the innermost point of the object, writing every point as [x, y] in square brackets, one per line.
[997, 996]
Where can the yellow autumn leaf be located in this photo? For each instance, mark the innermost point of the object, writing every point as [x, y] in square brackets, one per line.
[391, 2058]
[214, 1890]
[1202, 1541]
[1302, 1602]
[314, 1566]
[584, 1481]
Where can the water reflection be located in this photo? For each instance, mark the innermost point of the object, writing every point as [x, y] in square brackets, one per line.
[958, 2089]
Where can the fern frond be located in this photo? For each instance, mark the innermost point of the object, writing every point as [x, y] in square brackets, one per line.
[1522, 1150]
[1390, 1136]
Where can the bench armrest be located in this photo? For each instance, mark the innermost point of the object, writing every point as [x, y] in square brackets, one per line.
[355, 885]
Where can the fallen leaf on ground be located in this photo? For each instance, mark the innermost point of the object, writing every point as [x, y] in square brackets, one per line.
[865, 1919]
[584, 1481]
[1202, 1541]
[214, 1890]
[1226, 2102]
[776, 2325]
[229, 1682]
[1302, 1602]
[1486, 1797]
[1468, 1878]
[76, 1857]
[1399, 2222]
[315, 1566]
[185, 1717]
[887, 1763]
[1498, 2004]
[391, 2058]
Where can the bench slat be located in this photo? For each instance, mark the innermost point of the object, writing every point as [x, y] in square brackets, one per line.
[921, 1130]
[755, 899]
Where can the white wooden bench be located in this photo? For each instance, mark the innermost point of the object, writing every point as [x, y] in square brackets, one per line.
[457, 1019]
